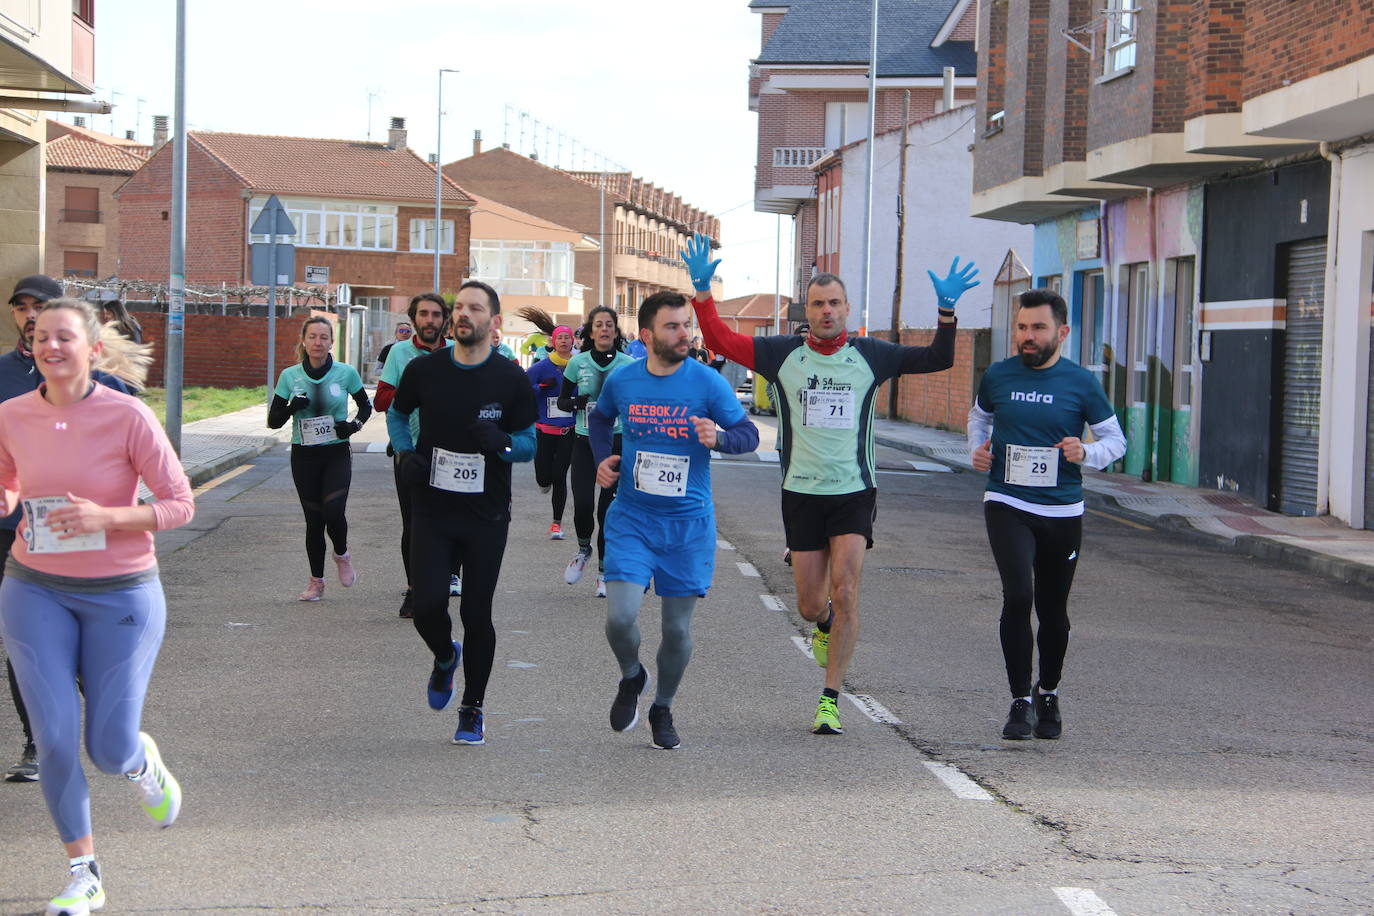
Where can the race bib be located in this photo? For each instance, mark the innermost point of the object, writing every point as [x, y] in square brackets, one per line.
[457, 472]
[828, 409]
[553, 411]
[1027, 466]
[317, 430]
[661, 475]
[39, 537]
[591, 405]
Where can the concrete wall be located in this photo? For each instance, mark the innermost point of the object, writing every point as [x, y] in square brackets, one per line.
[21, 207]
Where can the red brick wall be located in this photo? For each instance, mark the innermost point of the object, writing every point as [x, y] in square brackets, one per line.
[221, 351]
[63, 235]
[216, 238]
[997, 157]
[1217, 49]
[940, 399]
[1066, 86]
[1286, 42]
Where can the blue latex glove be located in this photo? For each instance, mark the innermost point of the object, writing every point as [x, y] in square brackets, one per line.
[700, 267]
[948, 290]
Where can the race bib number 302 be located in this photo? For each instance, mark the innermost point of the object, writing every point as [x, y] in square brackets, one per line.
[661, 475]
[457, 472]
[39, 536]
[1028, 466]
[827, 409]
[317, 430]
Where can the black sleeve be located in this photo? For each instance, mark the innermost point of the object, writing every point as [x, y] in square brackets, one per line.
[939, 355]
[278, 413]
[364, 407]
[567, 398]
[524, 409]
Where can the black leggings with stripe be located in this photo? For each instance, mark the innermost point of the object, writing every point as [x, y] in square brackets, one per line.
[322, 474]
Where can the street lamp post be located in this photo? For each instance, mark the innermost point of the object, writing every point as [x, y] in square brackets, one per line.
[438, 234]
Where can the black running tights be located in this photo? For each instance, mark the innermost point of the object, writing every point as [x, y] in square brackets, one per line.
[442, 541]
[1036, 558]
[584, 495]
[322, 474]
[552, 456]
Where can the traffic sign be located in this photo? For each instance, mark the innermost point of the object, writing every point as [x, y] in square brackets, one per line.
[273, 219]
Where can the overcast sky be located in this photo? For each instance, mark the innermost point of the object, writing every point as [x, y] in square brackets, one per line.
[661, 88]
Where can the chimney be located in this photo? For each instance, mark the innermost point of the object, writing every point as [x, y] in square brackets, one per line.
[396, 137]
[79, 121]
[159, 132]
[477, 143]
[129, 135]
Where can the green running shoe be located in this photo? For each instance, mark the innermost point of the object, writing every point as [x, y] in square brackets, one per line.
[827, 718]
[159, 792]
[82, 895]
[820, 646]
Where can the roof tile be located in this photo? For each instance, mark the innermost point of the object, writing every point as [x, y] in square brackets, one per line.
[73, 152]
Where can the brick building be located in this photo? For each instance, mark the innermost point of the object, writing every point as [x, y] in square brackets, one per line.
[84, 169]
[753, 314]
[363, 213]
[1199, 182]
[644, 226]
[809, 85]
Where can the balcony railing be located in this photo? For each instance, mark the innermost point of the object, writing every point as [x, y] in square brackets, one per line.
[80, 216]
[796, 157]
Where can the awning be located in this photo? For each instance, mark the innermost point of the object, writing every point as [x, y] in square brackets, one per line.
[22, 69]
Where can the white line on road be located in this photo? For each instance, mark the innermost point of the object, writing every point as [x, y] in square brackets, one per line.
[873, 709]
[773, 604]
[748, 570]
[376, 447]
[802, 644]
[957, 782]
[723, 544]
[1083, 902]
[770, 457]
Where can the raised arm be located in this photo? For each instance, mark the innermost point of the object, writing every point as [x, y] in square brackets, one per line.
[714, 332]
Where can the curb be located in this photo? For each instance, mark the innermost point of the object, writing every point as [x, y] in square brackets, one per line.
[1347, 572]
[204, 473]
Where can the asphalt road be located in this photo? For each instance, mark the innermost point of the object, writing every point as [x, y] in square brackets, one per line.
[1216, 756]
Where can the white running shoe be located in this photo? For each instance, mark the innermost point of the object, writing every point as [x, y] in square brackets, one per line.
[347, 574]
[455, 586]
[83, 892]
[601, 586]
[574, 570]
[159, 792]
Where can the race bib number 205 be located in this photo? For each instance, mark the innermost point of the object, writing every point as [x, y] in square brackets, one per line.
[457, 472]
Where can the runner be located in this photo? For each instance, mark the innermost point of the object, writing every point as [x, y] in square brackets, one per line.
[81, 595]
[403, 332]
[538, 345]
[477, 416]
[313, 395]
[662, 525]
[603, 351]
[826, 385]
[554, 435]
[1030, 411]
[429, 312]
[501, 348]
[19, 375]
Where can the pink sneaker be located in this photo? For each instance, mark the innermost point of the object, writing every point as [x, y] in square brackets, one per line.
[347, 574]
[314, 591]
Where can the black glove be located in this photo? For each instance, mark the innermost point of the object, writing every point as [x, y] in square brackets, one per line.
[489, 437]
[298, 403]
[345, 428]
[581, 401]
[414, 468]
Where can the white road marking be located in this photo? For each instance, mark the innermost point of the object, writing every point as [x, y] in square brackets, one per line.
[1083, 902]
[804, 645]
[773, 604]
[873, 709]
[748, 570]
[931, 466]
[373, 447]
[520, 664]
[770, 457]
[723, 544]
[223, 478]
[957, 782]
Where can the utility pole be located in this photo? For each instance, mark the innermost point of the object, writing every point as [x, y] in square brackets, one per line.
[868, 191]
[176, 287]
[901, 247]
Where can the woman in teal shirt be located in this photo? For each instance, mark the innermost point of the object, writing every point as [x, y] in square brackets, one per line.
[313, 395]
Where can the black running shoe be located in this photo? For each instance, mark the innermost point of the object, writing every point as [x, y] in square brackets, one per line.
[625, 709]
[407, 611]
[661, 724]
[1018, 727]
[1048, 723]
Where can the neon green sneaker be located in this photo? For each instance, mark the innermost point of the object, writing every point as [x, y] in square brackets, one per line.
[827, 718]
[820, 646]
[82, 894]
[159, 792]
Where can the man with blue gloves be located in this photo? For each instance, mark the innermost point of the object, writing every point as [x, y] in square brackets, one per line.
[826, 383]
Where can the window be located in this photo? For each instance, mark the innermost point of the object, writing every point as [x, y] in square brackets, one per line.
[1180, 279]
[80, 263]
[524, 268]
[334, 224]
[84, 10]
[82, 205]
[1136, 282]
[1121, 20]
[422, 235]
[845, 122]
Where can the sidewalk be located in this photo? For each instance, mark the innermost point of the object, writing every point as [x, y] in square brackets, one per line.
[1320, 544]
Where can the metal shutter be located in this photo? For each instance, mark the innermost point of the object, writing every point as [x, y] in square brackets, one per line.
[1302, 377]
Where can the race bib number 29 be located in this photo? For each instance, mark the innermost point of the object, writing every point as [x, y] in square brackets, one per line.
[1028, 466]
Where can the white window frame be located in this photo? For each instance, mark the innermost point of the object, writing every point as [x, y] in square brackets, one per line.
[845, 122]
[1121, 25]
[383, 218]
[426, 229]
[524, 285]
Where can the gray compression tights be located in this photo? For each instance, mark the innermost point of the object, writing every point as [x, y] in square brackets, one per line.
[622, 630]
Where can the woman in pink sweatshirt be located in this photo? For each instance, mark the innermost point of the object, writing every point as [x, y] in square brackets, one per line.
[81, 595]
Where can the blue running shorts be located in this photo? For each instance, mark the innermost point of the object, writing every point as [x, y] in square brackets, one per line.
[677, 554]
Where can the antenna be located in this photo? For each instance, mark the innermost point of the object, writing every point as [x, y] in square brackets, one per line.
[371, 94]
